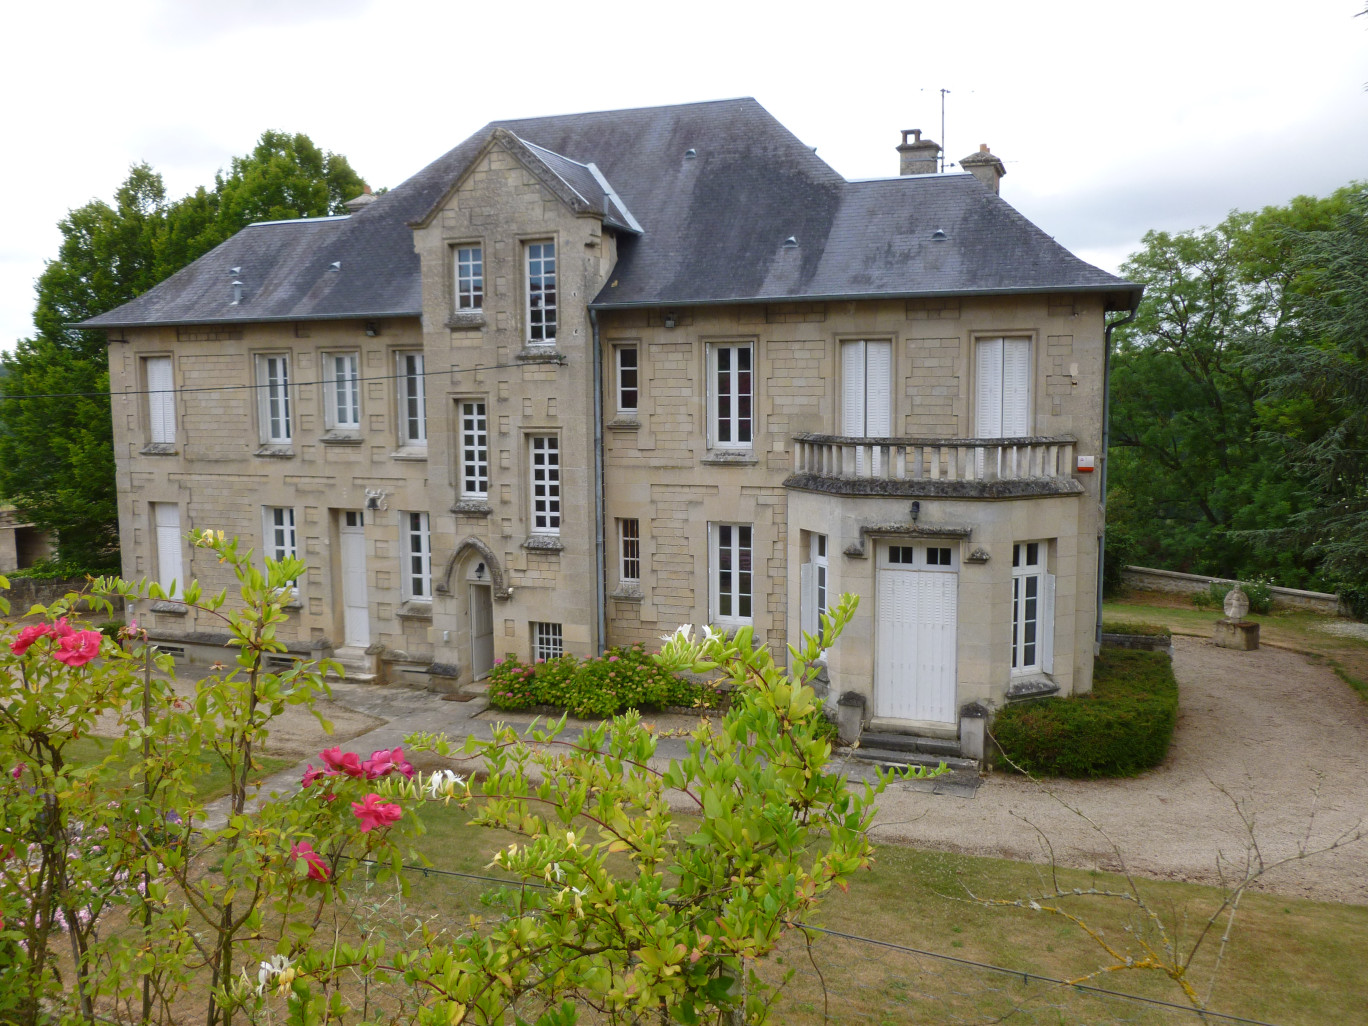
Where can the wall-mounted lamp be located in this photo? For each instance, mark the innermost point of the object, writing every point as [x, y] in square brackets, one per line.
[375, 499]
[916, 511]
[669, 320]
[479, 571]
[372, 328]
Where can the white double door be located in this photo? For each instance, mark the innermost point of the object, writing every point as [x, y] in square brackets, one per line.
[916, 631]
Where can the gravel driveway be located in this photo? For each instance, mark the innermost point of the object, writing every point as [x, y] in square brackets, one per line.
[1285, 738]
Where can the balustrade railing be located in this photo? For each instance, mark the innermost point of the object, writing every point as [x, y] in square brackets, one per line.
[934, 459]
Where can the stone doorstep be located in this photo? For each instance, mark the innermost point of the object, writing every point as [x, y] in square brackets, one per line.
[888, 757]
[942, 747]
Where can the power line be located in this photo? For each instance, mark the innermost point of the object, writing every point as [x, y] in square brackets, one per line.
[1019, 973]
[292, 384]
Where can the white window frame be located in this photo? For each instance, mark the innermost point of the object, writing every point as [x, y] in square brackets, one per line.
[544, 476]
[165, 518]
[468, 268]
[1003, 369]
[1032, 651]
[622, 374]
[629, 550]
[412, 396]
[159, 373]
[342, 391]
[539, 266]
[729, 389]
[473, 420]
[548, 641]
[273, 398]
[416, 544]
[280, 540]
[731, 587]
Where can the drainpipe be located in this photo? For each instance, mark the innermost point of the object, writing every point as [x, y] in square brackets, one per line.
[1106, 462]
[601, 569]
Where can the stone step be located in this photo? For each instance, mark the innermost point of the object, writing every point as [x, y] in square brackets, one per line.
[941, 746]
[887, 757]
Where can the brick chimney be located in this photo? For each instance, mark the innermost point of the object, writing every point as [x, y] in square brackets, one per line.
[984, 166]
[917, 157]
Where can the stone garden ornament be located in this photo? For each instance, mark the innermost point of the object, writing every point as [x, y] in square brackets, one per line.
[1236, 604]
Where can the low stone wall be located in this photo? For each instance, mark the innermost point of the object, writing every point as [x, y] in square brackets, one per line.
[1148, 579]
[25, 592]
[1142, 642]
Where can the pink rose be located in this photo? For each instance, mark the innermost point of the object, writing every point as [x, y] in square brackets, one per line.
[373, 812]
[78, 648]
[339, 762]
[383, 762]
[61, 629]
[28, 636]
[318, 869]
[18, 770]
[311, 774]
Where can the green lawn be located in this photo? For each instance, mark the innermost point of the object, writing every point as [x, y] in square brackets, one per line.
[210, 784]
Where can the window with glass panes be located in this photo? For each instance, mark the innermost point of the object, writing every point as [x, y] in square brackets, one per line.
[629, 546]
[280, 534]
[731, 393]
[474, 450]
[731, 576]
[273, 379]
[1028, 586]
[342, 375]
[412, 400]
[548, 642]
[627, 379]
[541, 293]
[546, 485]
[469, 277]
[417, 556]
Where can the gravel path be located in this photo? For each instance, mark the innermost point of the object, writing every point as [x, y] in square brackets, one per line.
[1285, 738]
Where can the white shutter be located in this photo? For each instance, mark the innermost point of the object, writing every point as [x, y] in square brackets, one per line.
[807, 599]
[988, 393]
[161, 400]
[878, 389]
[1016, 387]
[166, 516]
[853, 389]
[1046, 626]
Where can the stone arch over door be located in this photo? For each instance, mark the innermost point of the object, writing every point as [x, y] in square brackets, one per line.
[497, 578]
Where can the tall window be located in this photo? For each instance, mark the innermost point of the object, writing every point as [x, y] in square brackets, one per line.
[546, 484]
[342, 389]
[548, 642]
[866, 389]
[627, 379]
[412, 400]
[629, 549]
[469, 277]
[161, 400]
[417, 542]
[813, 582]
[1032, 609]
[541, 293]
[474, 450]
[731, 394]
[166, 521]
[280, 534]
[1002, 396]
[730, 573]
[273, 390]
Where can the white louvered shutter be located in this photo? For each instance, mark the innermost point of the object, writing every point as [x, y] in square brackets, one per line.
[853, 389]
[988, 392]
[161, 400]
[1016, 387]
[807, 598]
[878, 389]
[166, 516]
[1046, 629]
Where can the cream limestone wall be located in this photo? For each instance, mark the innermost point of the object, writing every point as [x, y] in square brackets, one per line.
[661, 471]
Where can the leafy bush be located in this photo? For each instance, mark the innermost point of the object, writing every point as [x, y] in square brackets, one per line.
[1148, 630]
[60, 569]
[1258, 591]
[618, 680]
[1121, 728]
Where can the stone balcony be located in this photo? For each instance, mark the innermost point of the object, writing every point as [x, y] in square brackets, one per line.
[984, 468]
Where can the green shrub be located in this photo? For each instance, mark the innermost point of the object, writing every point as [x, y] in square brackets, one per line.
[620, 679]
[55, 570]
[1121, 728]
[1259, 592]
[1148, 630]
[111, 628]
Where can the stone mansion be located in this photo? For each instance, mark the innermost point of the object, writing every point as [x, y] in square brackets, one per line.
[586, 378]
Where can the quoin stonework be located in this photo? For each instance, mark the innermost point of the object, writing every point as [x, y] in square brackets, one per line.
[586, 378]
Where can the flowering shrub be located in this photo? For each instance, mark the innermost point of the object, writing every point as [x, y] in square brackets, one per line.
[618, 680]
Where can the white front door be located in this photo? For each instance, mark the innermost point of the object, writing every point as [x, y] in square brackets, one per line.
[481, 630]
[914, 677]
[355, 606]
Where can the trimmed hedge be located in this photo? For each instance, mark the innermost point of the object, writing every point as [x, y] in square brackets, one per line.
[1121, 728]
[1144, 630]
[620, 679]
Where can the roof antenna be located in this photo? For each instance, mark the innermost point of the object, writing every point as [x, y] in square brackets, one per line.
[944, 93]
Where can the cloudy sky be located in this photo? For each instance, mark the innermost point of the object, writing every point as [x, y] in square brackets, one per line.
[1112, 118]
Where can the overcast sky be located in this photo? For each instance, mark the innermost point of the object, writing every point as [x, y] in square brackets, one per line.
[1112, 118]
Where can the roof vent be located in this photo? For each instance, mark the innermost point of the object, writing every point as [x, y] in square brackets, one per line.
[237, 292]
[235, 271]
[336, 265]
[690, 153]
[791, 242]
[938, 235]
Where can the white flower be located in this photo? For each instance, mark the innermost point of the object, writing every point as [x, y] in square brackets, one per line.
[683, 634]
[709, 634]
[444, 782]
[269, 970]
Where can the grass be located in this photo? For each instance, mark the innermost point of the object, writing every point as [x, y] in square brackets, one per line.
[1290, 962]
[211, 784]
[1296, 630]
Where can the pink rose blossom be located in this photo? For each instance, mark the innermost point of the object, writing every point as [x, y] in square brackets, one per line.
[339, 762]
[373, 812]
[311, 774]
[18, 770]
[383, 762]
[61, 629]
[318, 869]
[28, 636]
[78, 648]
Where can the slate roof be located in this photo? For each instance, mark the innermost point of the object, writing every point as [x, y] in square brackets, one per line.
[713, 227]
